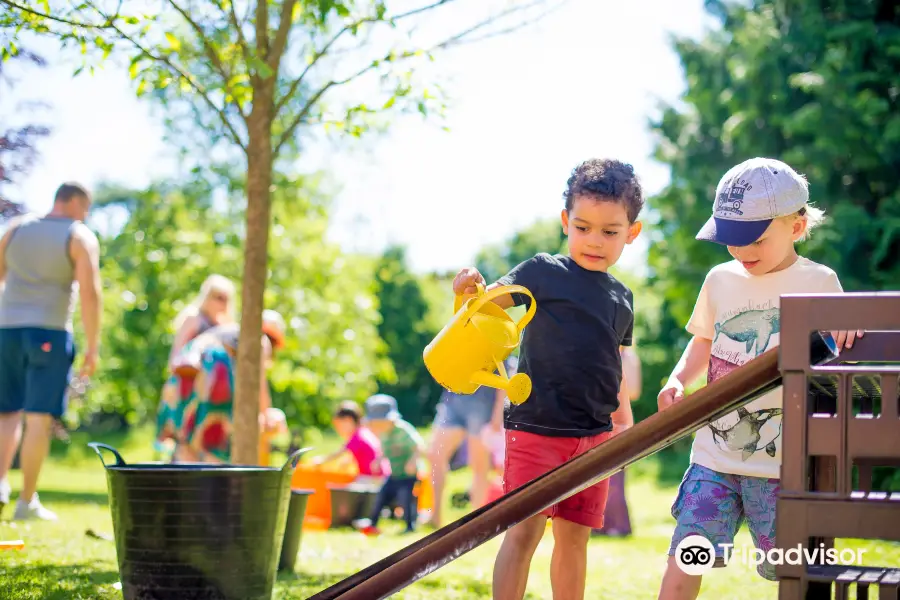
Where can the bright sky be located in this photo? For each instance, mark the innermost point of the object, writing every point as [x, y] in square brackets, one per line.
[526, 109]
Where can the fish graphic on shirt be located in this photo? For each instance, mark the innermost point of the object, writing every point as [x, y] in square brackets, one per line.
[745, 434]
[753, 328]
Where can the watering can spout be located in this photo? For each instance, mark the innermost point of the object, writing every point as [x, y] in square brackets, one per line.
[517, 387]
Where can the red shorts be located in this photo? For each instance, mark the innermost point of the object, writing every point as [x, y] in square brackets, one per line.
[529, 455]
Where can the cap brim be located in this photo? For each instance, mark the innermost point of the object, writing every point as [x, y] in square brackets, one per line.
[391, 416]
[733, 233]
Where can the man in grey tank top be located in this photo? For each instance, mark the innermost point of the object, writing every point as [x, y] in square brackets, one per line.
[44, 261]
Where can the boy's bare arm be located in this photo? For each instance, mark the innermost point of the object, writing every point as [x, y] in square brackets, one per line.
[623, 417]
[631, 367]
[694, 361]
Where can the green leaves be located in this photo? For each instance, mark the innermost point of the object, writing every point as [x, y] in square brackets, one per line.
[174, 42]
[805, 82]
[174, 238]
[260, 68]
[406, 302]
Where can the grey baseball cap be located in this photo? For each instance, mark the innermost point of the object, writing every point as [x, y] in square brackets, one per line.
[749, 197]
[381, 406]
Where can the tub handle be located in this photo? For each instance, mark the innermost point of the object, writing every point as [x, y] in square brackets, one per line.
[293, 460]
[97, 446]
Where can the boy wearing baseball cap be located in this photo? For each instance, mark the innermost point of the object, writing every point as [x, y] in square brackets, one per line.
[760, 211]
[402, 447]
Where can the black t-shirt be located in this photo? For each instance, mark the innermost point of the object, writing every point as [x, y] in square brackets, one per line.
[570, 350]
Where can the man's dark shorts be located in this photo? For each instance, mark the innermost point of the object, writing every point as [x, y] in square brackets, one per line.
[35, 370]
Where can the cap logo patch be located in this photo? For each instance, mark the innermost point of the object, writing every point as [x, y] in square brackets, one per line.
[732, 197]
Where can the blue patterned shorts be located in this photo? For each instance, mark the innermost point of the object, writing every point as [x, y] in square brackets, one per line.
[714, 505]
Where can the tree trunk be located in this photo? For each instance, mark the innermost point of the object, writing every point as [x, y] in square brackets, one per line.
[245, 439]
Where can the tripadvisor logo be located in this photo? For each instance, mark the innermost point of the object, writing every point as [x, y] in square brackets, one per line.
[696, 555]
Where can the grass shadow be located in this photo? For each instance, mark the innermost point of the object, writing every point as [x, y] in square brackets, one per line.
[477, 588]
[64, 497]
[61, 582]
[310, 583]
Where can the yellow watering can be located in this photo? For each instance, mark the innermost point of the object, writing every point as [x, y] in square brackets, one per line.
[464, 355]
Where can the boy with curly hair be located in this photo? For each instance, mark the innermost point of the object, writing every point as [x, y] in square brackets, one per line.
[570, 350]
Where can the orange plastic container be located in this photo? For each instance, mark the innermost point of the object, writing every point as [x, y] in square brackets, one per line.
[424, 491]
[318, 506]
[12, 545]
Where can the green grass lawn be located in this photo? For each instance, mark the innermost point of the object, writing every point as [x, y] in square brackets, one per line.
[62, 562]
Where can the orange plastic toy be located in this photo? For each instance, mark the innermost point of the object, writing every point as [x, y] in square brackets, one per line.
[318, 505]
[318, 478]
[12, 545]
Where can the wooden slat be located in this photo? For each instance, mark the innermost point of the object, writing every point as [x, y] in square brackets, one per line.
[842, 584]
[866, 519]
[824, 435]
[845, 411]
[790, 589]
[890, 403]
[889, 586]
[794, 475]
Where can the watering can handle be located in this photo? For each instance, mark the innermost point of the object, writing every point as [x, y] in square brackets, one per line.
[458, 300]
[502, 291]
[294, 458]
[97, 446]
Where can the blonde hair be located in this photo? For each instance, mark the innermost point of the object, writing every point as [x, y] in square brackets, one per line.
[213, 283]
[814, 216]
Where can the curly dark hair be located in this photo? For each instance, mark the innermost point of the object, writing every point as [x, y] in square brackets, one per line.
[606, 179]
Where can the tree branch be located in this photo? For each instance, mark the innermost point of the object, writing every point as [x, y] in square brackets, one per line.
[281, 36]
[238, 27]
[286, 135]
[180, 72]
[392, 58]
[213, 56]
[462, 37]
[262, 29]
[343, 30]
[56, 19]
[298, 120]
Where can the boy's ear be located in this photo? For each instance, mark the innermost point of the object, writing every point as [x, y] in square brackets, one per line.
[799, 228]
[633, 231]
[564, 217]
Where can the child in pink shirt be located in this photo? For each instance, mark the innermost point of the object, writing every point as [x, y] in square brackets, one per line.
[360, 442]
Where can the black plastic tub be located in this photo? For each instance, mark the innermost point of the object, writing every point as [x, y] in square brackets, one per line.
[197, 531]
[293, 531]
[350, 502]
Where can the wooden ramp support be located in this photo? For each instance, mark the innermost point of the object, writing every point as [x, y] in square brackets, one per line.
[838, 418]
[651, 435]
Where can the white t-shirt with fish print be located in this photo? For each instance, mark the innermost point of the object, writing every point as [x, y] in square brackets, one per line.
[739, 313]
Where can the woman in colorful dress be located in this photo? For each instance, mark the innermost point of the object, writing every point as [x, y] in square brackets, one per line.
[213, 306]
[204, 406]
